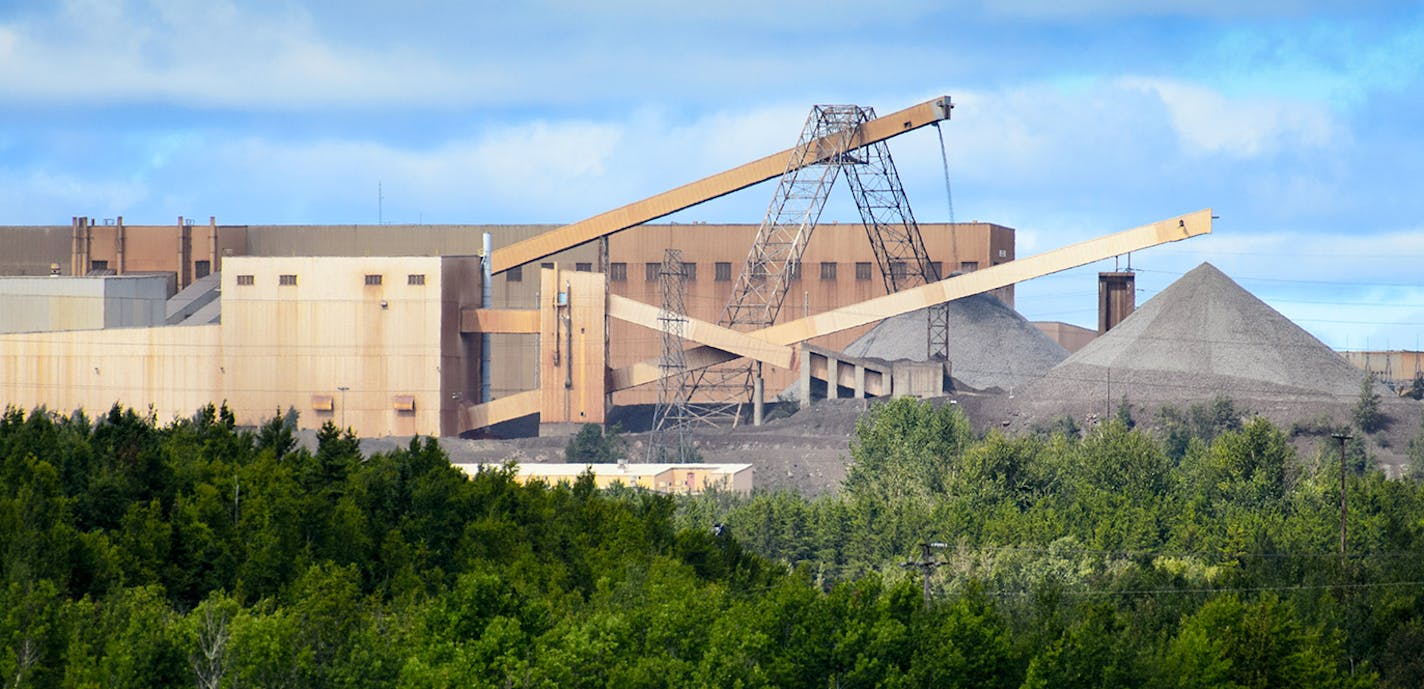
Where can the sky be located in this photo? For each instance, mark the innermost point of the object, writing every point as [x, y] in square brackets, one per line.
[1298, 122]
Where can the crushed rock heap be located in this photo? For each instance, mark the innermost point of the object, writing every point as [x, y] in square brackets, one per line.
[1200, 337]
[990, 344]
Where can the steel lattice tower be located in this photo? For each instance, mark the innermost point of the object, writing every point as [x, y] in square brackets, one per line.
[775, 257]
[830, 142]
[894, 235]
[670, 416]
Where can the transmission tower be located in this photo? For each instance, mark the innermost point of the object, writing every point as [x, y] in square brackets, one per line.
[670, 416]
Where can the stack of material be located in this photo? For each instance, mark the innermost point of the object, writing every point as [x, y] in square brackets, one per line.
[1202, 336]
[990, 344]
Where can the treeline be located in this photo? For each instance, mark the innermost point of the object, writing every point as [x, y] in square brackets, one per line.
[200, 553]
[1204, 553]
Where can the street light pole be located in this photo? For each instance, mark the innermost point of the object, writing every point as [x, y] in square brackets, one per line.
[343, 390]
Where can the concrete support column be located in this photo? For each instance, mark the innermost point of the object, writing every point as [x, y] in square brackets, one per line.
[859, 382]
[758, 404]
[832, 390]
[805, 378]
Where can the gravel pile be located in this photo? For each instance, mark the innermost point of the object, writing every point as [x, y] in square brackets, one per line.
[990, 344]
[1202, 336]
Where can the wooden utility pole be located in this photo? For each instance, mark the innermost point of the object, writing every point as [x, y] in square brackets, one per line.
[926, 565]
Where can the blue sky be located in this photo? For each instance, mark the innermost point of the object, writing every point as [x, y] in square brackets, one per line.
[1298, 122]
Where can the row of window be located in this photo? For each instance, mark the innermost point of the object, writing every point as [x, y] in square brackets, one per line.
[201, 269]
[722, 271]
[290, 280]
[618, 272]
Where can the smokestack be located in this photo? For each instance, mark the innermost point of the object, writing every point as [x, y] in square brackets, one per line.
[1117, 298]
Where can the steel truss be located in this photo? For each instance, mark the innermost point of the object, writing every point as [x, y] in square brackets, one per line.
[895, 236]
[828, 136]
[669, 440]
[829, 144]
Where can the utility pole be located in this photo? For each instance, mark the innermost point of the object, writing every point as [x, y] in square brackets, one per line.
[926, 565]
[1344, 541]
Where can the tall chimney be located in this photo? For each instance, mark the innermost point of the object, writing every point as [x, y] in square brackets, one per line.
[1117, 298]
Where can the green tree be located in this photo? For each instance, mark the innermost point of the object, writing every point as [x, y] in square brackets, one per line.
[1367, 414]
[592, 445]
[906, 447]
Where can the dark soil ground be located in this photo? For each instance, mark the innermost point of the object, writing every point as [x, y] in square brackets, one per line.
[807, 450]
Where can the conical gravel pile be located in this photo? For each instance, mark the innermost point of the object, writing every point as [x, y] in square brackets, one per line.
[1200, 337]
[990, 344]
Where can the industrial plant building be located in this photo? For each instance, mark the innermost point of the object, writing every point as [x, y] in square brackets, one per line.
[360, 325]
[450, 329]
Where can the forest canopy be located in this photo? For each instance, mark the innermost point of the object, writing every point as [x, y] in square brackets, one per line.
[134, 553]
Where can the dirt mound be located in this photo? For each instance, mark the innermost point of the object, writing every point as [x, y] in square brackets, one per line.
[990, 344]
[1200, 337]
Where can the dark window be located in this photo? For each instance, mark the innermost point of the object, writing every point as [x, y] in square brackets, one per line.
[794, 270]
[98, 265]
[373, 280]
[650, 271]
[968, 266]
[583, 267]
[547, 264]
[246, 280]
[287, 280]
[898, 270]
[938, 267]
[828, 271]
[515, 274]
[415, 279]
[722, 271]
[201, 269]
[618, 272]
[689, 271]
[862, 271]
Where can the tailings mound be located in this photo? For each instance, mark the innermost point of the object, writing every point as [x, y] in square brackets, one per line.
[1201, 337]
[990, 344]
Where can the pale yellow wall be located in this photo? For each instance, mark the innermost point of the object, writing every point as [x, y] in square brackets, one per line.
[176, 370]
[283, 344]
[276, 347]
[662, 478]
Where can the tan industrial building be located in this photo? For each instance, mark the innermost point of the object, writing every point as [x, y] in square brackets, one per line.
[380, 328]
[38, 304]
[390, 345]
[373, 343]
[838, 268]
[681, 479]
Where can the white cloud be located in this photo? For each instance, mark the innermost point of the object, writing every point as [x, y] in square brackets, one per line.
[209, 54]
[1211, 123]
[46, 198]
